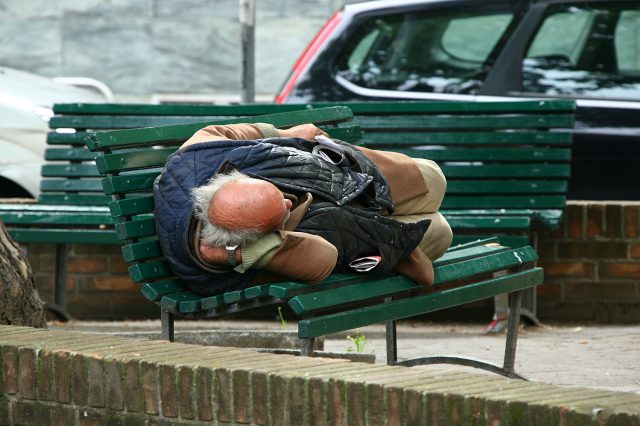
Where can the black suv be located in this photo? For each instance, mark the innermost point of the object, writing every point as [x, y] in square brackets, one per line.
[464, 50]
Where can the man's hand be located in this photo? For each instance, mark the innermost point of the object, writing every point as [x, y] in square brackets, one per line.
[304, 131]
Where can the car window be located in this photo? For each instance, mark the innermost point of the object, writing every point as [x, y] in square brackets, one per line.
[434, 52]
[586, 50]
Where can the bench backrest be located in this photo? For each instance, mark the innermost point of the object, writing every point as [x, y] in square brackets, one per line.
[500, 158]
[132, 159]
[69, 174]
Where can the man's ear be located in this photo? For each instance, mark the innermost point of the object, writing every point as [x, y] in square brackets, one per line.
[227, 167]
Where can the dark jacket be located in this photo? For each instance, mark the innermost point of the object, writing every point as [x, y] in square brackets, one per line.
[289, 164]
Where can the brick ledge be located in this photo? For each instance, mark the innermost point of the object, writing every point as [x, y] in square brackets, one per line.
[56, 377]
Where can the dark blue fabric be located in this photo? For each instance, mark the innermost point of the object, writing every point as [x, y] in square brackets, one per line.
[286, 162]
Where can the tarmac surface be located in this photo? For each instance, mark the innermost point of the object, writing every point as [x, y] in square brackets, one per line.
[583, 355]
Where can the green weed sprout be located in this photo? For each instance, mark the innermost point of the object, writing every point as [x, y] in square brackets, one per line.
[282, 320]
[359, 340]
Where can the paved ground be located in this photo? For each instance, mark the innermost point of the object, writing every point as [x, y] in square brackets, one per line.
[595, 356]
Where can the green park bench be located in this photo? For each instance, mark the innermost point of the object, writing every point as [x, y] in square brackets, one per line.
[130, 161]
[507, 163]
[72, 207]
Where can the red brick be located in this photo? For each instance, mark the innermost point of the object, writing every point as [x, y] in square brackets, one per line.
[568, 269]
[394, 406]
[117, 265]
[168, 391]
[601, 292]
[549, 289]
[414, 407]
[631, 219]
[222, 395]
[95, 379]
[79, 379]
[635, 250]
[277, 399]
[295, 401]
[620, 270]
[613, 221]
[62, 415]
[204, 385]
[574, 219]
[149, 387]
[186, 386]
[595, 220]
[113, 385]
[46, 384]
[87, 265]
[317, 402]
[62, 375]
[27, 373]
[9, 369]
[259, 398]
[113, 283]
[336, 401]
[241, 390]
[133, 397]
[592, 250]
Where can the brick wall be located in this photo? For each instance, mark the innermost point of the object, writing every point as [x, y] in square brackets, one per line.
[592, 264]
[592, 269]
[67, 378]
[98, 284]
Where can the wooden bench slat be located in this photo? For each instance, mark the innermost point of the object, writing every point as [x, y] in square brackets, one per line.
[65, 138]
[72, 185]
[68, 154]
[129, 183]
[58, 218]
[375, 288]
[405, 308]
[320, 300]
[149, 271]
[497, 201]
[63, 236]
[101, 140]
[489, 155]
[506, 186]
[171, 109]
[133, 160]
[438, 107]
[456, 122]
[141, 251]
[521, 223]
[135, 229]
[506, 171]
[184, 302]
[69, 170]
[73, 199]
[511, 240]
[132, 206]
[476, 139]
[155, 291]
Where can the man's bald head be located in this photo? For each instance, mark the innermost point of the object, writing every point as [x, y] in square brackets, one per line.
[248, 204]
[235, 208]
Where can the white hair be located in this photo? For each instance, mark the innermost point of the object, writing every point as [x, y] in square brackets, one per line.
[212, 234]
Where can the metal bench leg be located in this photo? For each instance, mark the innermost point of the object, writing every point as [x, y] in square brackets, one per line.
[59, 305]
[512, 333]
[392, 339]
[166, 319]
[307, 346]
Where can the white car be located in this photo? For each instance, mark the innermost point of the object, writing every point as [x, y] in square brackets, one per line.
[26, 102]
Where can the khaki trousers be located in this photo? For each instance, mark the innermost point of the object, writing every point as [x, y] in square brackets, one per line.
[438, 237]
